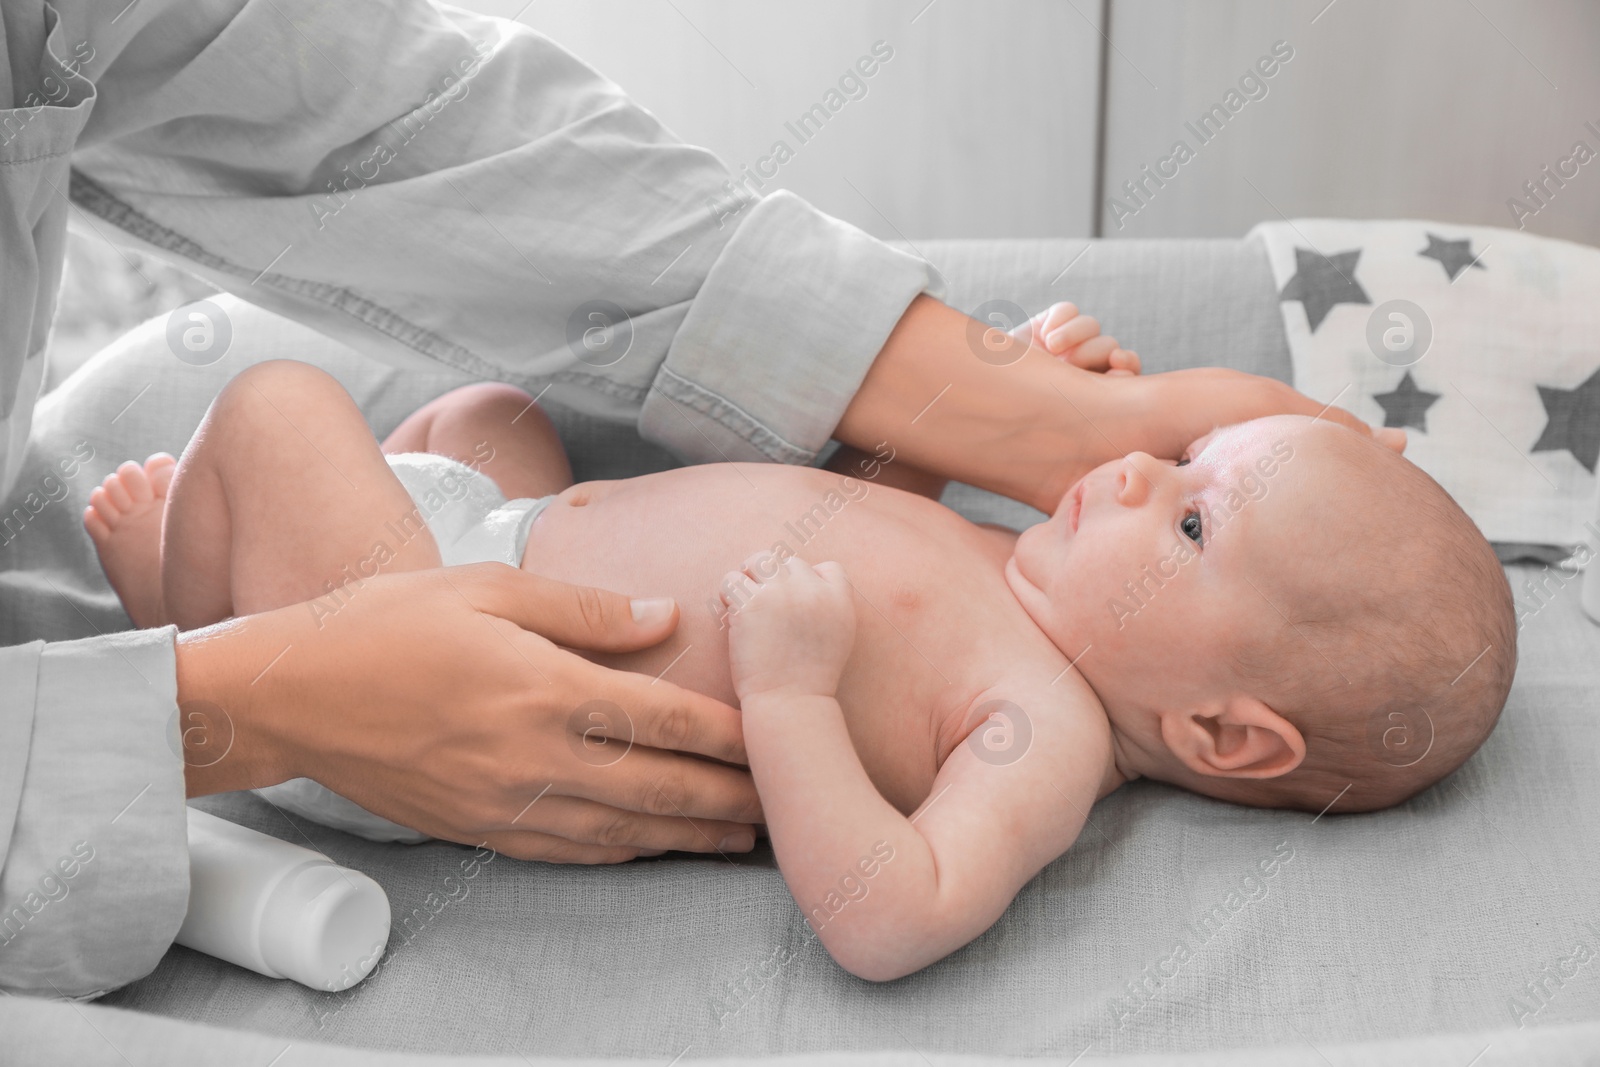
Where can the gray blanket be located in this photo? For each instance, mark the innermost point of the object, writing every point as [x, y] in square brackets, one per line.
[1417, 935]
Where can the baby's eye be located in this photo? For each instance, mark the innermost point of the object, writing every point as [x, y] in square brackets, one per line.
[1184, 462]
[1192, 529]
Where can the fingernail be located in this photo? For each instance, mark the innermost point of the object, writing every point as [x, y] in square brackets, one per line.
[650, 610]
[739, 842]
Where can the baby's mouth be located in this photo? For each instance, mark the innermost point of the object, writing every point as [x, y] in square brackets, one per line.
[1074, 506]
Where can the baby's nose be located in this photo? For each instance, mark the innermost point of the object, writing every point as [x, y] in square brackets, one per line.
[1134, 480]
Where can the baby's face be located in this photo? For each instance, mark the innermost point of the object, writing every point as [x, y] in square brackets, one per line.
[1151, 572]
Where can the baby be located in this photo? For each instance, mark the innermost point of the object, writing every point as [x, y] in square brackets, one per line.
[1290, 615]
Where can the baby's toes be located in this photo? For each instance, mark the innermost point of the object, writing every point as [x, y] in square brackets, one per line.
[159, 469]
[92, 522]
[116, 493]
[1124, 361]
[135, 482]
[102, 504]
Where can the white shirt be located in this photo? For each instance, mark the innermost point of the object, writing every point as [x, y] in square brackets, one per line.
[428, 186]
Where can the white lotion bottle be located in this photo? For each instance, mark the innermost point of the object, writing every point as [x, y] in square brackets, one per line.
[279, 909]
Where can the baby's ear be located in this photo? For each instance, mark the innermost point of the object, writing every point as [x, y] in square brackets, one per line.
[1241, 738]
[1391, 438]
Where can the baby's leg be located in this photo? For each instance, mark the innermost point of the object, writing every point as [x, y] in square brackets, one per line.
[282, 495]
[493, 428]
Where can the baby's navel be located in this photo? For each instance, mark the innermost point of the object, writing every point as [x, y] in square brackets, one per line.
[577, 496]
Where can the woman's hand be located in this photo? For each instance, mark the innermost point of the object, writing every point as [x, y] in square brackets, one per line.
[441, 700]
[1012, 418]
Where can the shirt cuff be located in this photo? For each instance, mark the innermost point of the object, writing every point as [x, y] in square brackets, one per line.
[780, 336]
[95, 880]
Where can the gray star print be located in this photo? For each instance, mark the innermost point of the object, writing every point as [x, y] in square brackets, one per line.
[1407, 406]
[1321, 281]
[1454, 256]
[1574, 421]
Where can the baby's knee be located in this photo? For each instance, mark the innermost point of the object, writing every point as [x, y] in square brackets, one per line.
[491, 399]
[490, 407]
[277, 382]
[277, 397]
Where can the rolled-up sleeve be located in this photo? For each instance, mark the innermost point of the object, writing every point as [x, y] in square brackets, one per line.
[424, 183]
[779, 336]
[93, 838]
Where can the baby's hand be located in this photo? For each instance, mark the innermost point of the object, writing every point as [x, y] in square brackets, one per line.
[791, 626]
[1061, 331]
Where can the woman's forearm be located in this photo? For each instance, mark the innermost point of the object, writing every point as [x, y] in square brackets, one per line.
[963, 400]
[974, 404]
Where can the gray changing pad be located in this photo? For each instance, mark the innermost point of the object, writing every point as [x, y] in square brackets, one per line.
[1421, 927]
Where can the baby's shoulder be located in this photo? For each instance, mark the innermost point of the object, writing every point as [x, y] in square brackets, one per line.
[1027, 712]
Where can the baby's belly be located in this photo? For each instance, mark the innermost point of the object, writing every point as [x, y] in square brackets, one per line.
[935, 619]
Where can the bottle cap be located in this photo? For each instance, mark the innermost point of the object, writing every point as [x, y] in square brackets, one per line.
[325, 926]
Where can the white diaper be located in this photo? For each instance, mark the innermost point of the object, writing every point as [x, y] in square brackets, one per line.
[472, 522]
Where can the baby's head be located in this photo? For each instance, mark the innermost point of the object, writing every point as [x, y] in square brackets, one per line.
[1289, 614]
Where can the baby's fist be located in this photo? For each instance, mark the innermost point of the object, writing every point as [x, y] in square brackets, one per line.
[1063, 331]
[791, 625]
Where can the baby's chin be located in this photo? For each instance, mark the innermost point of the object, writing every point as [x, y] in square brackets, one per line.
[1029, 595]
[1036, 603]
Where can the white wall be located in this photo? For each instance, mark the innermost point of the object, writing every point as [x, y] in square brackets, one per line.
[982, 125]
[1390, 108]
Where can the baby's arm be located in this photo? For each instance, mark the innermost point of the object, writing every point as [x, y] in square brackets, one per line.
[888, 894]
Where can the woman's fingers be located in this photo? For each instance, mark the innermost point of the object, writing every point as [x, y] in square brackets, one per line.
[1194, 401]
[661, 715]
[527, 845]
[661, 781]
[572, 615]
[426, 701]
[594, 825]
[1391, 437]
[635, 775]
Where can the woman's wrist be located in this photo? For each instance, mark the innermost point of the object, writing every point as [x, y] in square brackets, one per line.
[970, 403]
[219, 710]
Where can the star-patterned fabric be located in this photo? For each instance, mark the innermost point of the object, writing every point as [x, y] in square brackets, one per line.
[1453, 256]
[1406, 406]
[1321, 281]
[1503, 406]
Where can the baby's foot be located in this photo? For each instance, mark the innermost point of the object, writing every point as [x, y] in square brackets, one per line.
[124, 521]
[1063, 331]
